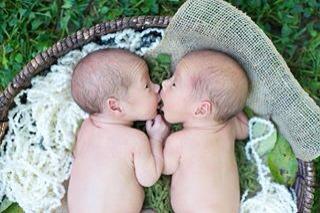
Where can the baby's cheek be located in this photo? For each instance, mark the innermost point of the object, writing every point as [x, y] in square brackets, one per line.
[171, 102]
[153, 103]
[168, 108]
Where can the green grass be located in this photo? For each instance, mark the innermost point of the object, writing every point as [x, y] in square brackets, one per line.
[29, 26]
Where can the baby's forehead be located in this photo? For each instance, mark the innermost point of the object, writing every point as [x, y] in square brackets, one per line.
[121, 60]
[205, 60]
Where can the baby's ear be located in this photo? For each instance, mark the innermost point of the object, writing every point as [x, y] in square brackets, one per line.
[203, 109]
[113, 105]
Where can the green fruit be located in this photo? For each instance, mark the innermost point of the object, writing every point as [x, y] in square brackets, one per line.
[266, 145]
[14, 208]
[5, 204]
[282, 162]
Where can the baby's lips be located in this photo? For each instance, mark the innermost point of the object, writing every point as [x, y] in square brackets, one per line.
[149, 124]
[160, 104]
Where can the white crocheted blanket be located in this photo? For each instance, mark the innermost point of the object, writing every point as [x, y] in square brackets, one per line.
[36, 153]
[273, 197]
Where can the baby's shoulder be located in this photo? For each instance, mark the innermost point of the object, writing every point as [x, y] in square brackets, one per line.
[135, 136]
[137, 133]
[177, 136]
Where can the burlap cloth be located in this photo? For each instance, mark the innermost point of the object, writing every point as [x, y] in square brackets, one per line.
[275, 93]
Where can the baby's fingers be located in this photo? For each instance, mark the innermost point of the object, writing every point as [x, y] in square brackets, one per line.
[149, 124]
[161, 125]
[158, 120]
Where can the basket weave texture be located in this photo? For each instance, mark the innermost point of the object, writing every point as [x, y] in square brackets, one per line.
[304, 184]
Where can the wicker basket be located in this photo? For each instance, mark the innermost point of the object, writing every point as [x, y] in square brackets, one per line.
[304, 184]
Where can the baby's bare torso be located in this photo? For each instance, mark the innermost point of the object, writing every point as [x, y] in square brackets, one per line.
[103, 177]
[206, 179]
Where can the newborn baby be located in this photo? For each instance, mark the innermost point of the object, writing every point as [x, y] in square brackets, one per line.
[206, 94]
[113, 160]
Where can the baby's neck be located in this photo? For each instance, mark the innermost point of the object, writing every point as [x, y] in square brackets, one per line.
[107, 120]
[207, 125]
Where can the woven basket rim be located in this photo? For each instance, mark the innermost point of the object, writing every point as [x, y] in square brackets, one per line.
[305, 181]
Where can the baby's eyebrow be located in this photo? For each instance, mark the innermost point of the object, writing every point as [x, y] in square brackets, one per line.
[142, 78]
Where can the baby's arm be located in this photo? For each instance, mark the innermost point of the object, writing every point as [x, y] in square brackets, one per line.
[171, 154]
[148, 160]
[241, 126]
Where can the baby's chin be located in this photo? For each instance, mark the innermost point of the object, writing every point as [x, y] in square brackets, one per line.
[151, 115]
[169, 118]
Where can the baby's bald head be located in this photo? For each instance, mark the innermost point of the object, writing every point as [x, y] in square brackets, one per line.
[103, 74]
[218, 77]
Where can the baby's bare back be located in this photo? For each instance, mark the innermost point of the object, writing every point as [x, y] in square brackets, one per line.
[103, 177]
[206, 179]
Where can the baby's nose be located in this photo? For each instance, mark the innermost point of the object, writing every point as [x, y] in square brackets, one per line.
[156, 88]
[164, 84]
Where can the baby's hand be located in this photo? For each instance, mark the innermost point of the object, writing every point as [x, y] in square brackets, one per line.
[157, 129]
